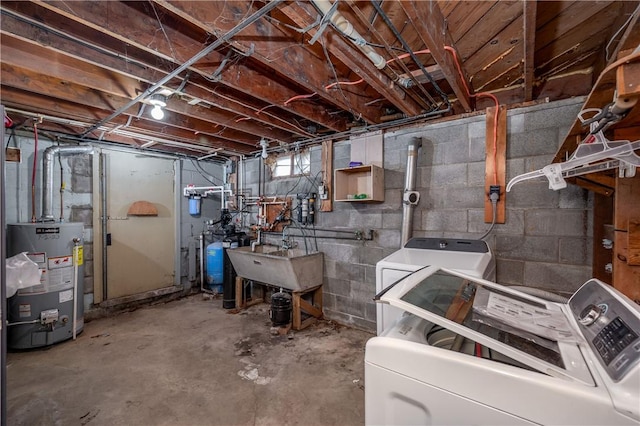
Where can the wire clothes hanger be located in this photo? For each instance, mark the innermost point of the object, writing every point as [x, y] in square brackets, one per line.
[595, 153]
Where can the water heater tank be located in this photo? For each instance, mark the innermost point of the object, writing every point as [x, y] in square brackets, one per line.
[43, 314]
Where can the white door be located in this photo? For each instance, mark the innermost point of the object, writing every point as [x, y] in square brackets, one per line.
[141, 249]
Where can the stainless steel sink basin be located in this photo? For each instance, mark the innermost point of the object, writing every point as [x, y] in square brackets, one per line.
[290, 269]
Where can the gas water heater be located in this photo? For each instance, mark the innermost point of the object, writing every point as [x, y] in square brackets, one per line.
[45, 313]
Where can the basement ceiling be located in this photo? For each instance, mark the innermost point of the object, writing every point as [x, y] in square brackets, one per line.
[236, 72]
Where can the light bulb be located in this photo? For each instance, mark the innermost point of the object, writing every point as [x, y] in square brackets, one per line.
[157, 112]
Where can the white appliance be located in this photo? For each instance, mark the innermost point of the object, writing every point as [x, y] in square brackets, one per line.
[470, 351]
[469, 256]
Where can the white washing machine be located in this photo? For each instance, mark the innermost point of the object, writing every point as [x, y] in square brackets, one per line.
[470, 351]
[472, 257]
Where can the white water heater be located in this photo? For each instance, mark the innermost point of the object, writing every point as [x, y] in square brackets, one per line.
[45, 313]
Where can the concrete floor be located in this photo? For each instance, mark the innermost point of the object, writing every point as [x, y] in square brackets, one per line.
[190, 362]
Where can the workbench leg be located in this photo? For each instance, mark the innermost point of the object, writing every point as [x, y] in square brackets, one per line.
[239, 293]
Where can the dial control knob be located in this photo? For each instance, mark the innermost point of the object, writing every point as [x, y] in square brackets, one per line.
[590, 314]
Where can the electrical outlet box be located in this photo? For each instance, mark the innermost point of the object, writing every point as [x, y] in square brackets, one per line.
[322, 192]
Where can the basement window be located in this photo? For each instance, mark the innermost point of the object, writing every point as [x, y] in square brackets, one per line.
[293, 164]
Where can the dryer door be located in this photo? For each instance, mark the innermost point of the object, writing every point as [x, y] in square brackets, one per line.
[530, 330]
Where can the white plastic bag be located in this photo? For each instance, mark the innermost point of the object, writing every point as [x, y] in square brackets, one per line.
[22, 272]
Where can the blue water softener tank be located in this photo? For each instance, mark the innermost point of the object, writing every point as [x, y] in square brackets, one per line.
[215, 266]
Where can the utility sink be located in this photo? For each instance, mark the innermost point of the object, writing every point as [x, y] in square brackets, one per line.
[291, 269]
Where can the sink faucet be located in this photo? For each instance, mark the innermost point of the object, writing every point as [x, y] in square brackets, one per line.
[256, 242]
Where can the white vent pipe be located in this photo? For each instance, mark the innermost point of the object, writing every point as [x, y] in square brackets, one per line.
[410, 197]
[352, 34]
[47, 174]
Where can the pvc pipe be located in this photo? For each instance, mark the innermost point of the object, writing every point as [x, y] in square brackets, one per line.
[47, 174]
[347, 29]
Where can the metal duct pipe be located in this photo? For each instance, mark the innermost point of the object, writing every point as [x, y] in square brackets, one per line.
[411, 197]
[47, 174]
[344, 26]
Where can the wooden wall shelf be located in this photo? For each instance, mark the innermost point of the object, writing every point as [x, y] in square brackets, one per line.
[355, 181]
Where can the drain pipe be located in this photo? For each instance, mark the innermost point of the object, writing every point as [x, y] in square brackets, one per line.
[410, 197]
[47, 175]
[344, 26]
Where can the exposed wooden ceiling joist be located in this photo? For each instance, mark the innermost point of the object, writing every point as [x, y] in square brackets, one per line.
[85, 60]
[431, 27]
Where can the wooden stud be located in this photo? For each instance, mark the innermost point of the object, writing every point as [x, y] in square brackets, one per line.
[327, 173]
[239, 298]
[602, 217]
[633, 242]
[431, 27]
[529, 18]
[495, 164]
[626, 276]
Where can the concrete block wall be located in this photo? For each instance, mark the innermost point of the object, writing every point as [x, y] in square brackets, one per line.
[77, 199]
[545, 242]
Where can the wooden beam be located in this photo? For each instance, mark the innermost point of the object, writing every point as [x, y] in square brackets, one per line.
[431, 26]
[601, 95]
[21, 98]
[327, 175]
[434, 71]
[120, 25]
[602, 229]
[73, 89]
[626, 276]
[153, 68]
[495, 163]
[304, 16]
[529, 24]
[293, 61]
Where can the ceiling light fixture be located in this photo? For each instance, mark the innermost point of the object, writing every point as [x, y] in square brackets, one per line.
[158, 101]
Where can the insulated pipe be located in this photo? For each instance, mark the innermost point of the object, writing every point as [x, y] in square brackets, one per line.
[345, 27]
[47, 174]
[409, 185]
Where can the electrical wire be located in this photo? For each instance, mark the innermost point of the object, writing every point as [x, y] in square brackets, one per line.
[494, 208]
[11, 136]
[479, 95]
[622, 27]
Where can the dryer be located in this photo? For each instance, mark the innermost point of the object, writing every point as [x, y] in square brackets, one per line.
[470, 256]
[470, 351]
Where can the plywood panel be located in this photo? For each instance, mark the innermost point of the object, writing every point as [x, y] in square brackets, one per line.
[141, 255]
[495, 163]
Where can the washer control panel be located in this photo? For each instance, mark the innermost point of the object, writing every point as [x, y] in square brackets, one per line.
[611, 324]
